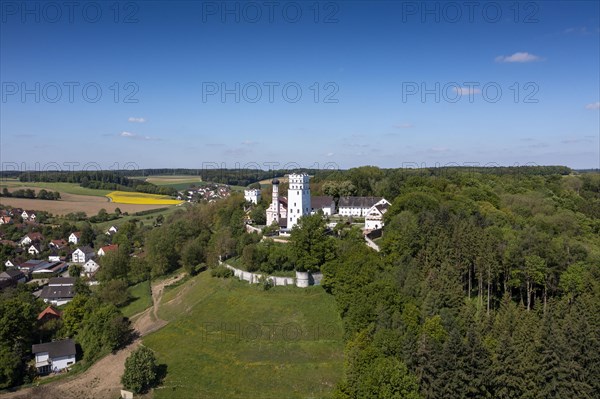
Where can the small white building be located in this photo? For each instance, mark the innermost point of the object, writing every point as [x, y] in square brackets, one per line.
[30, 238]
[374, 216]
[112, 230]
[107, 248]
[74, 237]
[82, 254]
[90, 267]
[326, 204]
[358, 206]
[28, 215]
[34, 249]
[252, 195]
[51, 357]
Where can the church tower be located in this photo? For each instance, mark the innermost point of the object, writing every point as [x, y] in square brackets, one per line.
[273, 213]
[298, 198]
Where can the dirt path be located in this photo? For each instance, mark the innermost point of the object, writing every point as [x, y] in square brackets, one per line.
[103, 379]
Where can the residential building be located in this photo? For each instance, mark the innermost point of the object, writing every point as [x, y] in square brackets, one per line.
[30, 238]
[75, 237]
[82, 254]
[59, 291]
[107, 248]
[52, 357]
[374, 216]
[90, 267]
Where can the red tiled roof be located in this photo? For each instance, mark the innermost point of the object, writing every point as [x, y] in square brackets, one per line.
[50, 311]
[111, 247]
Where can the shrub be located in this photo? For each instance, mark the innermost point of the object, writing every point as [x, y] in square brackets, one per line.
[141, 371]
[221, 272]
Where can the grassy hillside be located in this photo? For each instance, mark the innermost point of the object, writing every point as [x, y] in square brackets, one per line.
[141, 299]
[228, 339]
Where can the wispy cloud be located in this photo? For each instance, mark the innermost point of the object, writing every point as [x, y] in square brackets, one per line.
[24, 135]
[520, 57]
[134, 119]
[465, 91]
[135, 136]
[249, 143]
[595, 105]
[329, 154]
[439, 149]
[581, 30]
[586, 139]
[404, 126]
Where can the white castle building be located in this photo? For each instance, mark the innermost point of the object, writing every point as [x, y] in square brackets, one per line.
[298, 198]
[286, 211]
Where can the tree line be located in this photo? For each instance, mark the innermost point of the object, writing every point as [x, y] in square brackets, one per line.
[30, 193]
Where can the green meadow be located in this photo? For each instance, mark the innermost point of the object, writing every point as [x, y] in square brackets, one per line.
[229, 339]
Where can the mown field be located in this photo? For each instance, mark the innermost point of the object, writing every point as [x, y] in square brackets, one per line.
[228, 339]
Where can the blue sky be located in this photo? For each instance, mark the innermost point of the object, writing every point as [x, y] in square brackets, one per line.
[382, 83]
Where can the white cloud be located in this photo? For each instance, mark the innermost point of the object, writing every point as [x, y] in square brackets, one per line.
[330, 154]
[518, 57]
[135, 136]
[595, 105]
[465, 91]
[249, 142]
[404, 126]
[439, 149]
[133, 119]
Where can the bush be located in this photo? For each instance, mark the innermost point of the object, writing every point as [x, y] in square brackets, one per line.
[221, 272]
[141, 371]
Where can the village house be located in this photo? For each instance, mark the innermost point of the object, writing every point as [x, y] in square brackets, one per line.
[28, 216]
[58, 244]
[30, 238]
[82, 254]
[74, 237]
[49, 314]
[107, 248]
[52, 357]
[358, 206]
[112, 230]
[90, 268]
[374, 216]
[34, 249]
[59, 291]
[5, 220]
[325, 204]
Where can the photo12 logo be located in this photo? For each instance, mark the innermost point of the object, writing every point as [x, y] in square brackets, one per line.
[252, 12]
[453, 92]
[254, 92]
[53, 12]
[470, 11]
[68, 92]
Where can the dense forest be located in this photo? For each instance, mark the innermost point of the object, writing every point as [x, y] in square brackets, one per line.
[487, 284]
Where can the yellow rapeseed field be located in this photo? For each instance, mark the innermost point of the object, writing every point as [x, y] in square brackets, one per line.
[126, 197]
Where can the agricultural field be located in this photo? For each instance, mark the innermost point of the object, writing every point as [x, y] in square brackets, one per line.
[70, 203]
[229, 339]
[69, 188]
[127, 197]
